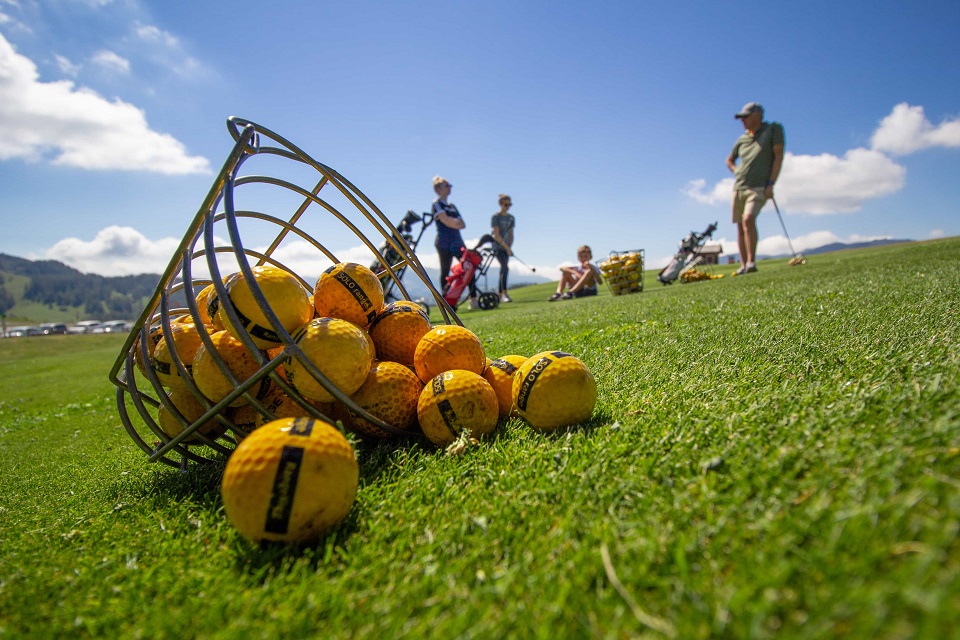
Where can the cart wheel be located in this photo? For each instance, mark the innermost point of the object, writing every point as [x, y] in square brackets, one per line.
[489, 300]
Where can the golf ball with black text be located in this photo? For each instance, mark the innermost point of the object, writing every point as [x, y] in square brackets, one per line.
[291, 480]
[554, 389]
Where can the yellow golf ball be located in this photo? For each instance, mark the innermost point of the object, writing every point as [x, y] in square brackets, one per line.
[283, 293]
[447, 347]
[341, 351]
[291, 480]
[348, 291]
[554, 389]
[455, 401]
[397, 330]
[500, 373]
[390, 393]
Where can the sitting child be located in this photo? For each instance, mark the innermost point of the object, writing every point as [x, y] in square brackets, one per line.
[579, 281]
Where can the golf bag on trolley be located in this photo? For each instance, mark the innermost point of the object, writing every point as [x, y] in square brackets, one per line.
[390, 256]
[686, 255]
[473, 264]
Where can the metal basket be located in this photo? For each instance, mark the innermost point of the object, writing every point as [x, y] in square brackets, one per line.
[329, 204]
[623, 271]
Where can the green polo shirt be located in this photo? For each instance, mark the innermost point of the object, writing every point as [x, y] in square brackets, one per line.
[756, 155]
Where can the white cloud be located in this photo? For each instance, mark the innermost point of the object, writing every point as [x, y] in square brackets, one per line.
[79, 127]
[907, 130]
[826, 183]
[110, 60]
[150, 33]
[721, 193]
[67, 67]
[166, 51]
[820, 185]
[936, 233]
[115, 251]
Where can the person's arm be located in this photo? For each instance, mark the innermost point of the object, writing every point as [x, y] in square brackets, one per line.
[774, 169]
[449, 221]
[732, 163]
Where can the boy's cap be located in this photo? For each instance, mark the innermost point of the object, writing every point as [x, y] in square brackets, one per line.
[440, 180]
[750, 107]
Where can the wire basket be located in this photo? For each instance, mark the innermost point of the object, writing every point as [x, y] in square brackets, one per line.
[623, 271]
[224, 238]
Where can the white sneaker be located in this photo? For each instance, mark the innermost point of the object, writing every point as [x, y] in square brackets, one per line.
[473, 304]
[504, 297]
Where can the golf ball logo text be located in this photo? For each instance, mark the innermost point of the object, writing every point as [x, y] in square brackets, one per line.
[531, 379]
[357, 291]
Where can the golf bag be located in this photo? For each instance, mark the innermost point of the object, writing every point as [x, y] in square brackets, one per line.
[686, 255]
[390, 256]
[473, 264]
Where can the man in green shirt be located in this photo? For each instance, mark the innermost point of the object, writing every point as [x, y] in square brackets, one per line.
[760, 151]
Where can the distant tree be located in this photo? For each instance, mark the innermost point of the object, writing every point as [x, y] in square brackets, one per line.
[6, 300]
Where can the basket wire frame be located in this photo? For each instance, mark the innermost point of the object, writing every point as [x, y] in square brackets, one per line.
[251, 142]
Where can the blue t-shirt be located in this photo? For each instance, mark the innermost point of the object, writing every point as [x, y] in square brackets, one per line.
[447, 238]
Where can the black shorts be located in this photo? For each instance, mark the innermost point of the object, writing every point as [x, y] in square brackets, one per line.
[585, 292]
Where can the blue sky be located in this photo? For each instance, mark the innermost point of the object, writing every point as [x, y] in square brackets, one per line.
[608, 123]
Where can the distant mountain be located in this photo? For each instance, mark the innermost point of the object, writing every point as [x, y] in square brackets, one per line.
[838, 246]
[48, 290]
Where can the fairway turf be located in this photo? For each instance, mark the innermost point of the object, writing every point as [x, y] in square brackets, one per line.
[773, 455]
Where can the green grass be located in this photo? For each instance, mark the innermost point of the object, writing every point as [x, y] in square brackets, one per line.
[775, 455]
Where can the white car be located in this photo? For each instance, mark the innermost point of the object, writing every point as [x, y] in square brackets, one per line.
[84, 326]
[113, 326]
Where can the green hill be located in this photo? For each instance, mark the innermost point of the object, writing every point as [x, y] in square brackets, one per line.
[49, 291]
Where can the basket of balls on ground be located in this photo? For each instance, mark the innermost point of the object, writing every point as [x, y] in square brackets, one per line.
[239, 357]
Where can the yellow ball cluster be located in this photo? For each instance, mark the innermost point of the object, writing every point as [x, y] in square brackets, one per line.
[623, 271]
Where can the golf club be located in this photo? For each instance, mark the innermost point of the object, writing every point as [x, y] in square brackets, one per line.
[514, 256]
[797, 259]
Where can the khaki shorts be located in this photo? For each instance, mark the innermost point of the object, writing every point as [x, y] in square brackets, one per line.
[748, 201]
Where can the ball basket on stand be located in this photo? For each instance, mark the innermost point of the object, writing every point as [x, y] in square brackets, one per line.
[320, 203]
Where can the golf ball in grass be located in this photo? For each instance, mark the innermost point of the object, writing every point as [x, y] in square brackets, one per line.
[455, 401]
[291, 480]
[499, 373]
[447, 347]
[554, 389]
[397, 330]
[349, 291]
[341, 351]
[283, 293]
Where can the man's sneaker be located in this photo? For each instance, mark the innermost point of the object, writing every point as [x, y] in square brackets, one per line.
[473, 304]
[739, 272]
[751, 268]
[504, 297]
[554, 297]
[567, 296]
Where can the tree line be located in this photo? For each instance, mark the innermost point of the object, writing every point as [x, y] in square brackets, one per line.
[54, 283]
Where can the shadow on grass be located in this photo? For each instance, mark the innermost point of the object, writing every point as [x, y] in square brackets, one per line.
[198, 483]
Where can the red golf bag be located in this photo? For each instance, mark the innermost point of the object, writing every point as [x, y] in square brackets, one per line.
[461, 275]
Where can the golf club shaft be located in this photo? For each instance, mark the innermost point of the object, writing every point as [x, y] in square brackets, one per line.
[514, 256]
[790, 244]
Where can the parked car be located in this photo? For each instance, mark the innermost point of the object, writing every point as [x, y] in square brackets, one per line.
[20, 332]
[84, 326]
[112, 326]
[53, 328]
